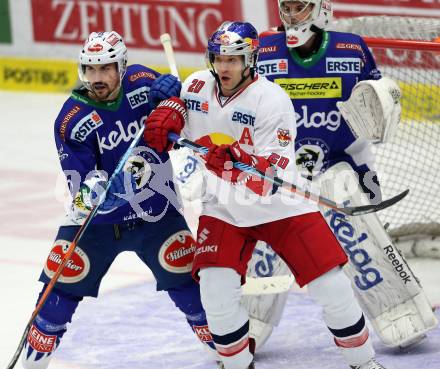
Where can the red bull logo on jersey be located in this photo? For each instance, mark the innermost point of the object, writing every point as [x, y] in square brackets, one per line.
[138, 97]
[177, 252]
[86, 126]
[273, 67]
[343, 65]
[76, 269]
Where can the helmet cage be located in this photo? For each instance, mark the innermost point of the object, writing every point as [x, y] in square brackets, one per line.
[320, 17]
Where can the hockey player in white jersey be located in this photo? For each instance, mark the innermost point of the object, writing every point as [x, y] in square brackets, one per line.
[342, 103]
[243, 117]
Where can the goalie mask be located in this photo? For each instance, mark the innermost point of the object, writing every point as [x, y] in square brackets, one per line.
[234, 38]
[102, 48]
[302, 18]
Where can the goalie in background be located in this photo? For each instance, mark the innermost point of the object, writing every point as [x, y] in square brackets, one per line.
[140, 213]
[342, 104]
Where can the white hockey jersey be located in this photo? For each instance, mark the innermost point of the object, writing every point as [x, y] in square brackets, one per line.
[262, 119]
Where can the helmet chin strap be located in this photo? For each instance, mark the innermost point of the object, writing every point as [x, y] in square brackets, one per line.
[242, 80]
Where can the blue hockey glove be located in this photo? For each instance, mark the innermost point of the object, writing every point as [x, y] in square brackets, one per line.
[163, 88]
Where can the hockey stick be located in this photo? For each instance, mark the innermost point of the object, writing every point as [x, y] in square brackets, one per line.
[165, 39]
[71, 250]
[348, 210]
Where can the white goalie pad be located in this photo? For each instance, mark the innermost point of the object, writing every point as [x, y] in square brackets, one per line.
[389, 293]
[373, 109]
[265, 310]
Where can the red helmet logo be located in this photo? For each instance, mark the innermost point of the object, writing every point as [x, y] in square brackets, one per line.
[95, 48]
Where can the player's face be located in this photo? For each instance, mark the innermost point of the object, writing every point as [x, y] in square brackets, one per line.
[296, 12]
[229, 69]
[104, 79]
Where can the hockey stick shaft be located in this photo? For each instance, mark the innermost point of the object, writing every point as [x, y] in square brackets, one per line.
[71, 250]
[165, 39]
[348, 210]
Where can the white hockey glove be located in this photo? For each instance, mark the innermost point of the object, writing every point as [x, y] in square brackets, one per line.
[92, 192]
[373, 109]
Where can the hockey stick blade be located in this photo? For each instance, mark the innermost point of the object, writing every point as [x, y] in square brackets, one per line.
[267, 285]
[365, 209]
[350, 210]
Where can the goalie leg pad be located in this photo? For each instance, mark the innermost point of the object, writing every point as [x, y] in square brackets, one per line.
[386, 288]
[48, 328]
[265, 310]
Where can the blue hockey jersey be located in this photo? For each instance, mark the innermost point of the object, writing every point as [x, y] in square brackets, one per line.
[92, 135]
[315, 84]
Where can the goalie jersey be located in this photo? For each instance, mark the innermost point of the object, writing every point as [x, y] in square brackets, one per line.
[314, 85]
[94, 135]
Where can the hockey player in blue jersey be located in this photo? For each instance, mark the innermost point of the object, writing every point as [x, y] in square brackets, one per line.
[342, 104]
[140, 213]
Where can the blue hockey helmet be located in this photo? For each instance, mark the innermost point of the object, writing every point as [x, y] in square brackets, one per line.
[234, 38]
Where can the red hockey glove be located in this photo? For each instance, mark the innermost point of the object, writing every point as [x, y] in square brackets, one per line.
[220, 160]
[169, 116]
[253, 182]
[216, 157]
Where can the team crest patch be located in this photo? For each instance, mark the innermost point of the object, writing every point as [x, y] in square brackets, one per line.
[76, 268]
[312, 156]
[284, 137]
[177, 252]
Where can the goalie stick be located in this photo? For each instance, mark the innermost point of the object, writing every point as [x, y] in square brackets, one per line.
[267, 285]
[71, 250]
[348, 210]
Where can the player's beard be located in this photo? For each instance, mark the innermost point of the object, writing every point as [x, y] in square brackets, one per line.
[102, 92]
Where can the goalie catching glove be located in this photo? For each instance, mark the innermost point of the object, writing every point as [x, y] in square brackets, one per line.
[220, 159]
[373, 109]
[169, 116]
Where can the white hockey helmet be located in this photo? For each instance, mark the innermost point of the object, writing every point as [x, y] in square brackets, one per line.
[102, 48]
[298, 33]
